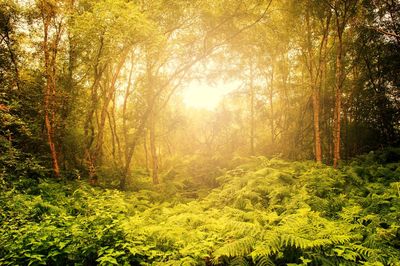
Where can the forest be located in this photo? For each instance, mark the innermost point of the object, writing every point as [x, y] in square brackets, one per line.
[200, 132]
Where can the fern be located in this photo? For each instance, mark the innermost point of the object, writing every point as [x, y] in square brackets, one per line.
[267, 212]
[263, 261]
[239, 261]
[364, 251]
[239, 247]
[267, 246]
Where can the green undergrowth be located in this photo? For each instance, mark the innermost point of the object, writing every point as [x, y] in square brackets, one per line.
[264, 212]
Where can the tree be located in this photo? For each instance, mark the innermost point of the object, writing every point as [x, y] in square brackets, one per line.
[108, 26]
[53, 26]
[315, 59]
[344, 11]
[8, 18]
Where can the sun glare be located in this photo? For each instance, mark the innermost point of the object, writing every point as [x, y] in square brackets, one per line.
[202, 95]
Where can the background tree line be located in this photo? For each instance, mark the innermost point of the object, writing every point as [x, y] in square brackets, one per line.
[92, 88]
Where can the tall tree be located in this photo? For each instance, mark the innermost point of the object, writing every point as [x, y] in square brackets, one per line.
[105, 31]
[315, 59]
[344, 11]
[53, 26]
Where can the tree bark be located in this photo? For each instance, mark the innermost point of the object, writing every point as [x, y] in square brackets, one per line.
[271, 102]
[251, 88]
[107, 99]
[316, 64]
[89, 131]
[344, 10]
[50, 49]
[338, 92]
[314, 88]
[95, 155]
[146, 152]
[317, 132]
[153, 149]
[152, 124]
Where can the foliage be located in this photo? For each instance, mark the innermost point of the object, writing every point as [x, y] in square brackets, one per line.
[91, 89]
[265, 212]
[19, 162]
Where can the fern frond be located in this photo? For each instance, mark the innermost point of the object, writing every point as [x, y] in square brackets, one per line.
[294, 241]
[364, 251]
[341, 239]
[263, 261]
[240, 228]
[240, 247]
[265, 248]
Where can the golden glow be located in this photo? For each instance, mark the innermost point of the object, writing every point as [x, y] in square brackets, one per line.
[202, 95]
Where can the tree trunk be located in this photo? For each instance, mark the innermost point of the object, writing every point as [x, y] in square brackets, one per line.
[317, 132]
[131, 146]
[146, 152]
[89, 131]
[251, 88]
[109, 95]
[95, 155]
[50, 49]
[271, 103]
[153, 149]
[345, 133]
[338, 92]
[314, 89]
[336, 129]
[50, 141]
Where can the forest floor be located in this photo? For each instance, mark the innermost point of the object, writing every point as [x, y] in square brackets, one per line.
[264, 212]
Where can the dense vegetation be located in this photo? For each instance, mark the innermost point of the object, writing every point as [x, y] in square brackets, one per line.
[263, 212]
[98, 87]
[106, 159]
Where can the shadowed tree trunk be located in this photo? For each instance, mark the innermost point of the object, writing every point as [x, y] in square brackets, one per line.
[341, 16]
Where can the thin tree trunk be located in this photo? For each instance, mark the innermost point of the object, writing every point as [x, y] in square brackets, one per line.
[117, 139]
[113, 135]
[342, 15]
[316, 70]
[346, 135]
[338, 93]
[95, 155]
[107, 99]
[153, 149]
[146, 152]
[271, 103]
[336, 130]
[89, 131]
[50, 141]
[50, 55]
[127, 153]
[315, 91]
[317, 132]
[251, 110]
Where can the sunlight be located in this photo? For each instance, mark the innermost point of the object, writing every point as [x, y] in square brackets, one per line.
[202, 95]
